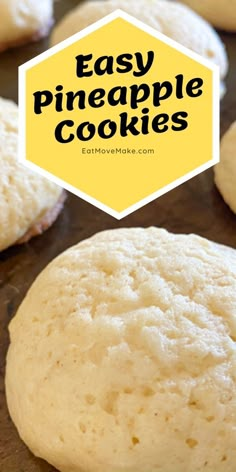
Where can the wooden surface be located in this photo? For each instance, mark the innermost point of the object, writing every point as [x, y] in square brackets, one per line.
[193, 207]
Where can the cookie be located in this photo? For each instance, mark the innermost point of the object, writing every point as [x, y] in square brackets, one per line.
[225, 172]
[220, 13]
[23, 21]
[29, 203]
[172, 19]
[122, 356]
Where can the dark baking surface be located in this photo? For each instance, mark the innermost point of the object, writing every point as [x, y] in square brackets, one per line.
[193, 207]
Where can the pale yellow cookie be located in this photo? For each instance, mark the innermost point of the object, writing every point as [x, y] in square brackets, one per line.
[29, 203]
[225, 172]
[122, 356]
[172, 19]
[24, 20]
[221, 13]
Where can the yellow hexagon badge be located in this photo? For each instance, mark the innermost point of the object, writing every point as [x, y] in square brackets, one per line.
[119, 114]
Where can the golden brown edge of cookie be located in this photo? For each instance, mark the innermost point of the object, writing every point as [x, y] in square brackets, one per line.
[45, 221]
[31, 38]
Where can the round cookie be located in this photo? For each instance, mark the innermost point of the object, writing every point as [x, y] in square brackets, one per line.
[225, 172]
[172, 19]
[221, 13]
[23, 21]
[122, 356]
[29, 203]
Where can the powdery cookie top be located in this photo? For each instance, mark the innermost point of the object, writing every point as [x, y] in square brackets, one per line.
[25, 197]
[123, 356]
[221, 13]
[225, 172]
[24, 20]
[172, 19]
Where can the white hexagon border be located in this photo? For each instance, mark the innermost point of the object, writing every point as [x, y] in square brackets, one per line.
[152, 32]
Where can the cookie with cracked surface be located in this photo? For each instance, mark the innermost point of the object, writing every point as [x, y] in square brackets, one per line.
[122, 356]
[29, 203]
[175, 20]
[24, 21]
